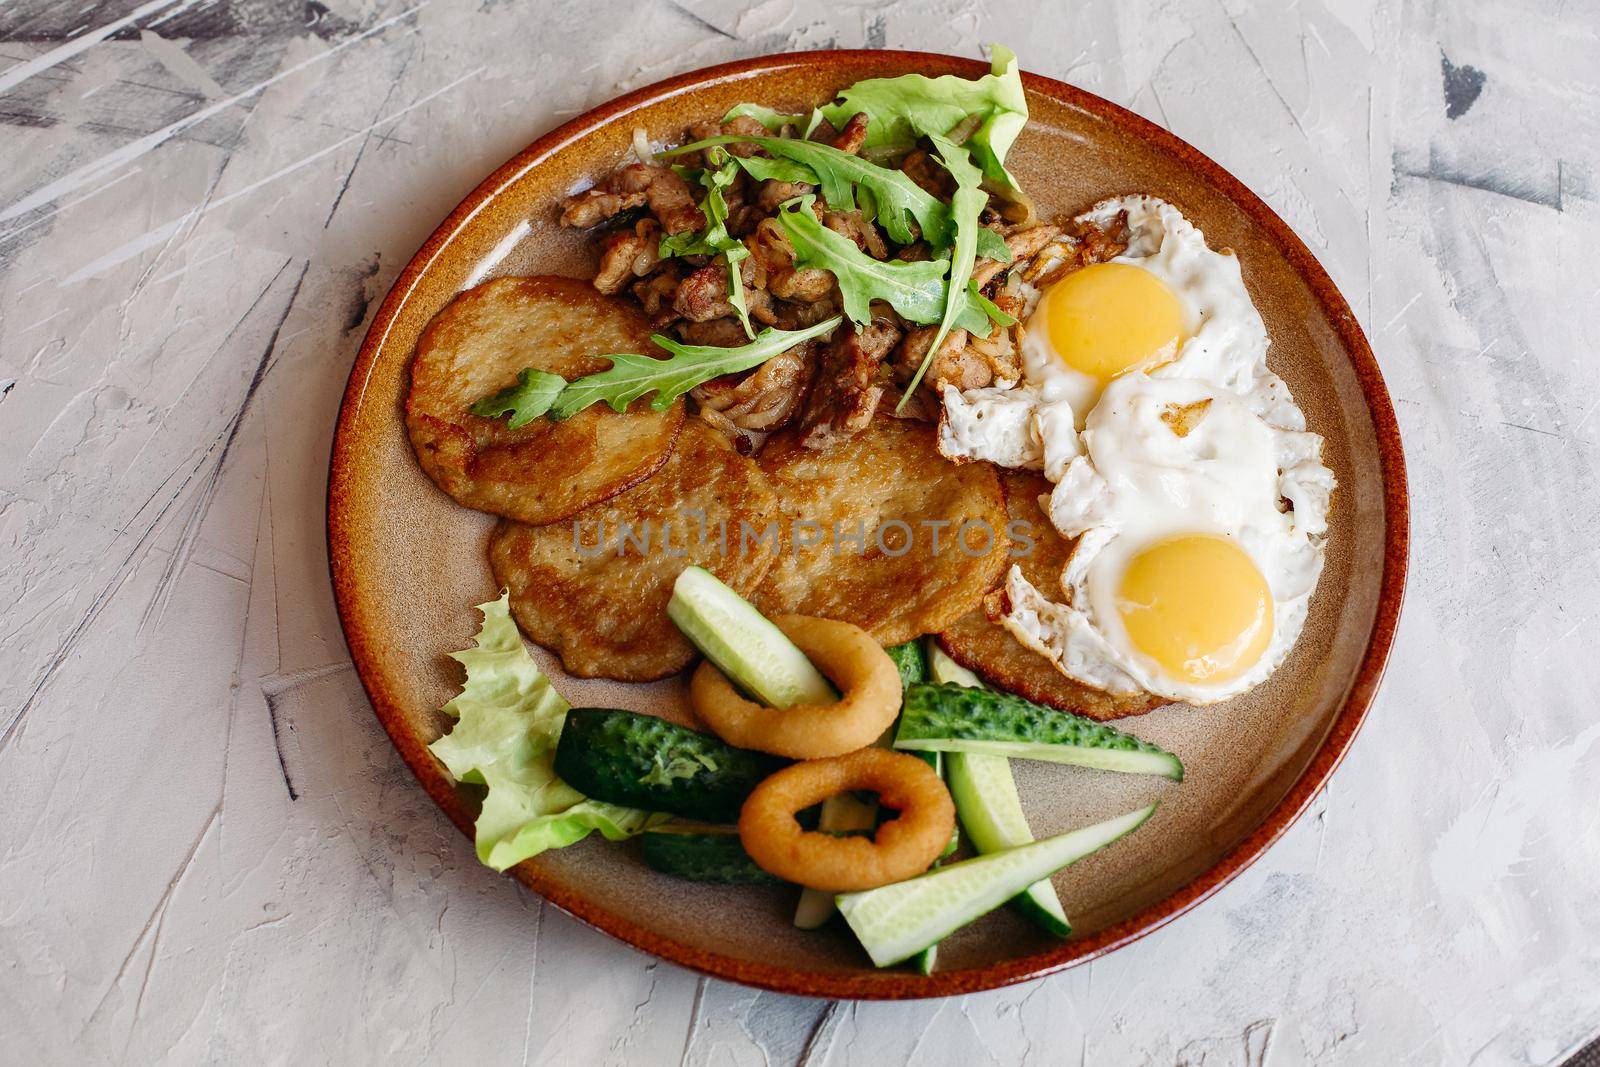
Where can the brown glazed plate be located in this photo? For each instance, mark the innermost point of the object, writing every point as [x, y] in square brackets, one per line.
[408, 563]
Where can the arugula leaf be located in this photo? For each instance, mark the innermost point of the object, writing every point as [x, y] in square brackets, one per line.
[895, 198]
[992, 246]
[988, 307]
[774, 121]
[965, 207]
[632, 376]
[531, 397]
[508, 719]
[901, 109]
[915, 290]
[715, 239]
[784, 170]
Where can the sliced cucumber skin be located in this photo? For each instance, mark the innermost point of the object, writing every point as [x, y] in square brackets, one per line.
[743, 643]
[950, 717]
[607, 754]
[895, 922]
[703, 856]
[911, 661]
[991, 813]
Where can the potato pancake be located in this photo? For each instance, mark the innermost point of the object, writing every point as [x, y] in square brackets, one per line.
[984, 646]
[545, 470]
[594, 589]
[882, 531]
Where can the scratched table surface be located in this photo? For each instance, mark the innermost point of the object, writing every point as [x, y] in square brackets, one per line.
[209, 852]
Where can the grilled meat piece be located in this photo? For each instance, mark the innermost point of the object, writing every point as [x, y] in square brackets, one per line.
[763, 399]
[628, 254]
[851, 378]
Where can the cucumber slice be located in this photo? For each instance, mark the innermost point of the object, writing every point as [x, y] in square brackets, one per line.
[941, 668]
[744, 645]
[703, 854]
[991, 813]
[640, 761]
[895, 922]
[989, 808]
[952, 718]
[842, 814]
[912, 662]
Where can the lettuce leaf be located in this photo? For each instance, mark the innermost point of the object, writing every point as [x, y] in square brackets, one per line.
[508, 719]
[899, 110]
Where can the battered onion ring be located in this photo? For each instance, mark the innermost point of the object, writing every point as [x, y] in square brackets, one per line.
[849, 657]
[903, 847]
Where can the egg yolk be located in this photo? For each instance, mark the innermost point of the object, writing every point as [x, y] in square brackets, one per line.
[1110, 318]
[1197, 606]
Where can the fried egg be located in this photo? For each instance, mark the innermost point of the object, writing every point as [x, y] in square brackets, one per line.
[1168, 306]
[1201, 530]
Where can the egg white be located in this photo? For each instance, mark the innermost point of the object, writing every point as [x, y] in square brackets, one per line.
[1032, 422]
[1138, 482]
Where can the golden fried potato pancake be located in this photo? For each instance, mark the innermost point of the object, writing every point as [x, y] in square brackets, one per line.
[594, 588]
[882, 531]
[545, 470]
[988, 647]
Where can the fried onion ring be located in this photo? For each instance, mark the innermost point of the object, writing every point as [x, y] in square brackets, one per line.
[902, 848]
[848, 656]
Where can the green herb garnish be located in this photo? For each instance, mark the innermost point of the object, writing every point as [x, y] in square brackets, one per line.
[895, 200]
[965, 207]
[531, 397]
[915, 290]
[899, 110]
[632, 376]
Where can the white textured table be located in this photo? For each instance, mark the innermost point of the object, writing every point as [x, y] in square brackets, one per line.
[208, 850]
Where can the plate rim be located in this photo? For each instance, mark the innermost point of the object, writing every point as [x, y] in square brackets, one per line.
[882, 985]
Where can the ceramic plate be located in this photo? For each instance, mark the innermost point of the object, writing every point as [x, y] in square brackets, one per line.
[408, 563]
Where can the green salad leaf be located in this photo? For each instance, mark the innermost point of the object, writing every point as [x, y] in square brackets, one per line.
[990, 310]
[715, 239]
[632, 376]
[784, 170]
[775, 121]
[508, 719]
[965, 207]
[899, 110]
[915, 290]
[531, 397]
[992, 246]
[896, 200]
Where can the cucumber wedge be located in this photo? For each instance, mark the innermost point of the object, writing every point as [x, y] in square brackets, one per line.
[911, 661]
[989, 808]
[941, 668]
[744, 645]
[952, 718]
[991, 813]
[703, 854]
[640, 761]
[895, 922]
[845, 813]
